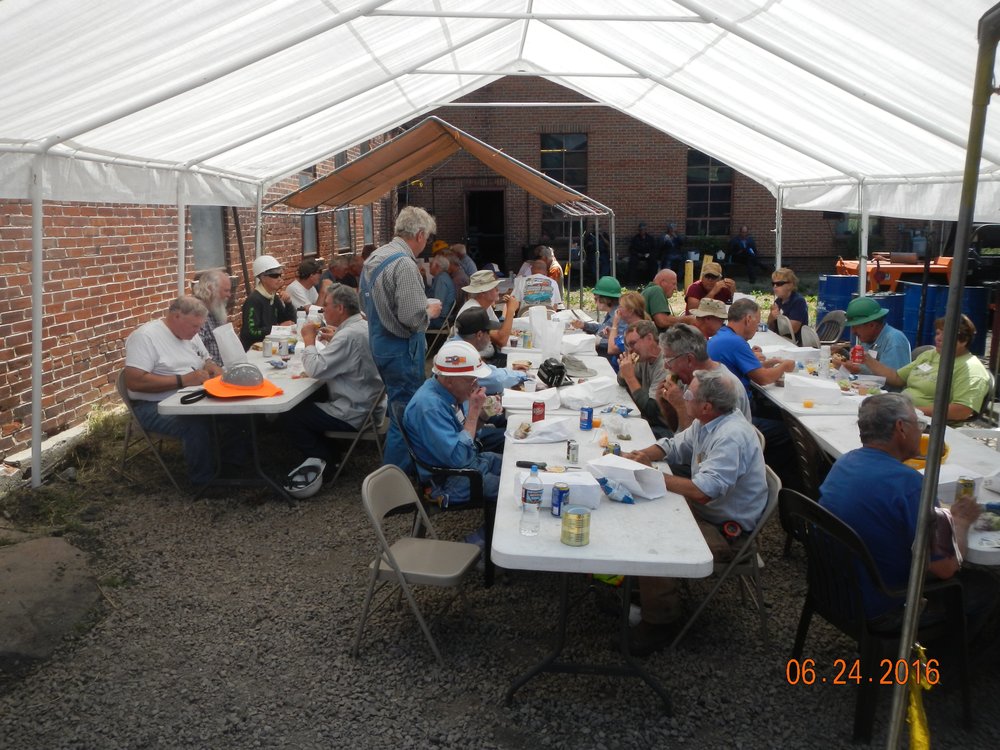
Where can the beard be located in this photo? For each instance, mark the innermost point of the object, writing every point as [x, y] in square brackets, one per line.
[219, 312]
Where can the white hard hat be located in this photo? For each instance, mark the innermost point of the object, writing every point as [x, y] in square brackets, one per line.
[263, 264]
[306, 479]
[459, 359]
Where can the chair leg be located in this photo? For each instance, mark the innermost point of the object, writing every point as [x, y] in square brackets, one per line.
[803, 629]
[704, 603]
[788, 545]
[405, 587]
[366, 608]
[864, 707]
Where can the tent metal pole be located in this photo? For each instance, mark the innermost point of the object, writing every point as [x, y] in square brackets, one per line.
[582, 282]
[37, 313]
[597, 249]
[777, 229]
[863, 241]
[258, 241]
[614, 253]
[181, 237]
[982, 90]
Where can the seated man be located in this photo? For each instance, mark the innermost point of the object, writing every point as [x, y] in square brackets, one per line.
[474, 327]
[459, 278]
[709, 317]
[866, 319]
[657, 295]
[878, 496]
[640, 369]
[214, 289]
[303, 291]
[440, 288]
[268, 304]
[442, 432]
[162, 357]
[538, 288]
[345, 364]
[482, 291]
[461, 253]
[728, 483]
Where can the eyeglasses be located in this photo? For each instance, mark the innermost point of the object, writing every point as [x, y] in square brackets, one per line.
[272, 275]
[670, 361]
[778, 283]
[713, 276]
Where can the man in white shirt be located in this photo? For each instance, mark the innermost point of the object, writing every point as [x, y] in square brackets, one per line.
[162, 357]
[538, 289]
[303, 291]
[346, 366]
[482, 291]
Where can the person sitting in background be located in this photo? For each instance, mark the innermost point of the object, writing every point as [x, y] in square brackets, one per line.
[607, 292]
[640, 370]
[642, 257]
[346, 367]
[709, 317]
[339, 272]
[268, 304]
[546, 253]
[743, 249]
[866, 319]
[482, 291]
[459, 278]
[443, 432]
[884, 514]
[213, 288]
[657, 295]
[711, 285]
[302, 292]
[787, 302]
[728, 483]
[970, 382]
[440, 288]
[538, 289]
[163, 356]
[461, 253]
[631, 308]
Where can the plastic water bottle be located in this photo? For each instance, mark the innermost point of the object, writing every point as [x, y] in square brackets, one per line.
[615, 490]
[824, 361]
[300, 320]
[531, 503]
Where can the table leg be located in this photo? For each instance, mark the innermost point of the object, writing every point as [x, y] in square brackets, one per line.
[216, 481]
[551, 663]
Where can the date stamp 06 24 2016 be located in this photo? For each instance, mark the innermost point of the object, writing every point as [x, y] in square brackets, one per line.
[848, 672]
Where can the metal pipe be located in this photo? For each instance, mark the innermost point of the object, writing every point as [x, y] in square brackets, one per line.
[529, 16]
[37, 315]
[181, 236]
[989, 35]
[863, 240]
[777, 229]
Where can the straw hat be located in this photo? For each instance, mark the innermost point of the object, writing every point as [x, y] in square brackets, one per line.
[710, 308]
[481, 281]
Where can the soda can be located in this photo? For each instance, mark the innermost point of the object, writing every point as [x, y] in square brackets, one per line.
[537, 411]
[572, 451]
[965, 487]
[270, 347]
[560, 498]
[587, 418]
[282, 347]
[525, 339]
[857, 354]
[575, 527]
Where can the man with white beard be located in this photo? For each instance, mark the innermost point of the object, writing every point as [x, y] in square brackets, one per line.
[213, 288]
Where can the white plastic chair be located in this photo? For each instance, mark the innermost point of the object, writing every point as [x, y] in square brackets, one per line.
[409, 560]
[809, 337]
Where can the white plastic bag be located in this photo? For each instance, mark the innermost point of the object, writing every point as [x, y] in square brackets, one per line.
[549, 430]
[594, 392]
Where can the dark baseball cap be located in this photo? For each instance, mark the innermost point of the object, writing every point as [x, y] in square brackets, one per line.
[474, 320]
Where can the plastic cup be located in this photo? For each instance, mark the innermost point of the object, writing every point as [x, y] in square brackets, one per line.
[529, 386]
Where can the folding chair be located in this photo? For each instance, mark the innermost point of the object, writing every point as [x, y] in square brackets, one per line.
[809, 337]
[372, 428]
[831, 327]
[409, 560]
[747, 565]
[918, 350]
[784, 326]
[148, 436]
[438, 333]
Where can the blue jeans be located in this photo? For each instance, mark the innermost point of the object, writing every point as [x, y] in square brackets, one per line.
[489, 465]
[305, 425]
[400, 362]
[194, 432]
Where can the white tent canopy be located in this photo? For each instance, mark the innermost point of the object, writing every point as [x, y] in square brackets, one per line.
[211, 102]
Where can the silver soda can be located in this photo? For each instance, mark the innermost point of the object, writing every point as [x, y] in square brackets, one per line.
[572, 451]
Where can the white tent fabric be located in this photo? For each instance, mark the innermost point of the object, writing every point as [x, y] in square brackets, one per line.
[209, 102]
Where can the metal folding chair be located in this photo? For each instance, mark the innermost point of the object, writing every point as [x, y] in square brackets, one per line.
[374, 427]
[153, 439]
[437, 334]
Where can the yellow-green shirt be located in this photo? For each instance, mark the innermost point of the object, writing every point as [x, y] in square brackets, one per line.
[969, 383]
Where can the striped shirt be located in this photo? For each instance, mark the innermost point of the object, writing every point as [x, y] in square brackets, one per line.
[398, 292]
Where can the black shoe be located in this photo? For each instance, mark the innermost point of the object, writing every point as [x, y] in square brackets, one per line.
[647, 638]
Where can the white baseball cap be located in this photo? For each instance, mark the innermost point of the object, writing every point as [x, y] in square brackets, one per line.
[459, 359]
[263, 264]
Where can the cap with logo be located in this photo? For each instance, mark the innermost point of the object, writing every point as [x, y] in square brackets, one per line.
[459, 359]
[474, 320]
[711, 267]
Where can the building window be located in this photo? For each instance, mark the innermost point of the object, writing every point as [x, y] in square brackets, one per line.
[339, 159]
[343, 221]
[709, 195]
[208, 236]
[368, 217]
[563, 158]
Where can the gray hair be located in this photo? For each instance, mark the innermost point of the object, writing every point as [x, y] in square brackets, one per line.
[716, 389]
[545, 252]
[207, 287]
[643, 328]
[743, 307]
[682, 338]
[441, 261]
[412, 220]
[339, 261]
[877, 416]
[342, 294]
[188, 305]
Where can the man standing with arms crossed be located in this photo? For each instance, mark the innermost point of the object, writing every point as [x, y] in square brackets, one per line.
[395, 304]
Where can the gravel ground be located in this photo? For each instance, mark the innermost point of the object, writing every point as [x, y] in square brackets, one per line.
[229, 622]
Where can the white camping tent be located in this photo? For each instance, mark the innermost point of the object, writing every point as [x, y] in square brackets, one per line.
[847, 106]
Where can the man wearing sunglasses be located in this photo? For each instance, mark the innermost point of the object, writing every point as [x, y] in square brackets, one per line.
[711, 285]
[267, 305]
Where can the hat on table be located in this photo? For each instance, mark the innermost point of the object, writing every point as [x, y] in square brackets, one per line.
[475, 320]
[711, 267]
[710, 308]
[481, 281]
[264, 263]
[608, 286]
[243, 379]
[459, 359]
[575, 367]
[864, 310]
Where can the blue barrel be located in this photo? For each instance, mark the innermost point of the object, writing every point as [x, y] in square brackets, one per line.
[975, 304]
[835, 292]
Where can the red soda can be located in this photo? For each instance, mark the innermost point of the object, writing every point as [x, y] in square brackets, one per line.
[537, 411]
[857, 354]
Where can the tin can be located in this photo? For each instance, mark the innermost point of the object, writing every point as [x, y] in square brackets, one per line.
[857, 354]
[537, 411]
[525, 339]
[965, 487]
[560, 498]
[587, 418]
[576, 527]
[282, 347]
[270, 347]
[572, 451]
